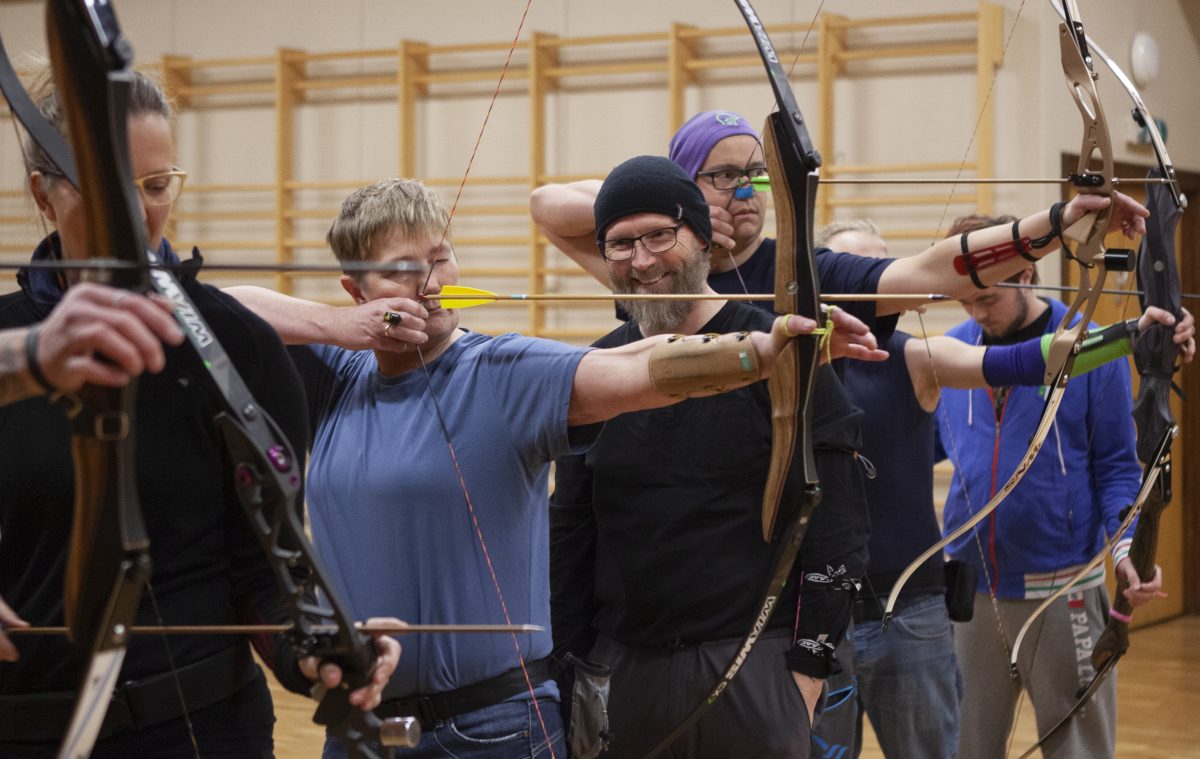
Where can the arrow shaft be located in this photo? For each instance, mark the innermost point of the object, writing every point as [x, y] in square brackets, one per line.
[678, 296]
[389, 629]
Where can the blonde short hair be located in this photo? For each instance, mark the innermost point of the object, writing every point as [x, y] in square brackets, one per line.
[403, 206]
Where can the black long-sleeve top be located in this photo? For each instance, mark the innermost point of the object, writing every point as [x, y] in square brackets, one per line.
[207, 565]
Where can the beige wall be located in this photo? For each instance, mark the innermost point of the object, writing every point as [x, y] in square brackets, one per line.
[884, 112]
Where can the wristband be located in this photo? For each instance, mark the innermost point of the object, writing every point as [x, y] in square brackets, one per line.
[31, 362]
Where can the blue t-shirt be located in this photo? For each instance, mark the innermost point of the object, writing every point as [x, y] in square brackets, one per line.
[389, 516]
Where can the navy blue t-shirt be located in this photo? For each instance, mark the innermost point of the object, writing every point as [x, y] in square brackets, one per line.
[837, 272]
[898, 440]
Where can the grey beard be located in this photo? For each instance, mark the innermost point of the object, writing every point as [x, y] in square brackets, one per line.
[657, 317]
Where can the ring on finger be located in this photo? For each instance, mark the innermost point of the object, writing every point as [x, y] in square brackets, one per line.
[118, 297]
[387, 329]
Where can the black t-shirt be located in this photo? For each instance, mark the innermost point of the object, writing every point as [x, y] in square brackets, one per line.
[207, 565]
[656, 530]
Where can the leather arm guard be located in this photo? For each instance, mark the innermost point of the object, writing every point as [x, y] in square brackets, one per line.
[689, 365]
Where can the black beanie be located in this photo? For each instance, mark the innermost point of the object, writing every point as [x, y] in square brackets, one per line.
[651, 184]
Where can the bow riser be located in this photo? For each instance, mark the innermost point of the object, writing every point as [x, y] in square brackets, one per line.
[792, 164]
[796, 291]
[1091, 230]
[108, 526]
[108, 565]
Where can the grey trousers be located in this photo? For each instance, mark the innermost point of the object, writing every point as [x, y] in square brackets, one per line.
[761, 714]
[1053, 665]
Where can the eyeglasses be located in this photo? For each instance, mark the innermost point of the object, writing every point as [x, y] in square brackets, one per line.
[731, 179]
[161, 189]
[655, 241]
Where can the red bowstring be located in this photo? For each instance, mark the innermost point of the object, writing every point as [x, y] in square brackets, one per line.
[479, 138]
[487, 556]
[437, 405]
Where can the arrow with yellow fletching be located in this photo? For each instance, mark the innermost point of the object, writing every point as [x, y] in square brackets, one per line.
[461, 296]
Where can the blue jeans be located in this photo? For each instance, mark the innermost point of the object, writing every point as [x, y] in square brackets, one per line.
[908, 681]
[509, 730]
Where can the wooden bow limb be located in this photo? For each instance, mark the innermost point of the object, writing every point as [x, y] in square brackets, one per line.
[790, 156]
[1150, 484]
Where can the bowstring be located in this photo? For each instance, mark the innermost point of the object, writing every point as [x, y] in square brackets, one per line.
[992, 595]
[987, 98]
[175, 680]
[477, 528]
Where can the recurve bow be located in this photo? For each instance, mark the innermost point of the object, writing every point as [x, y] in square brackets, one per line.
[108, 564]
[1091, 256]
[793, 165]
[1155, 355]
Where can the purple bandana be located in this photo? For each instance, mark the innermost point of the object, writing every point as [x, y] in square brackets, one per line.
[695, 140]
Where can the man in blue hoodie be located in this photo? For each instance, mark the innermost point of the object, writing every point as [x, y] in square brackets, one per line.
[1056, 519]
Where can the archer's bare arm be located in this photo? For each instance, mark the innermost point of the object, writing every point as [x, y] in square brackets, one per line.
[946, 362]
[932, 270]
[564, 213]
[358, 327]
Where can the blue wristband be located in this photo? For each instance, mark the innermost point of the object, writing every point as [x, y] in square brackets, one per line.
[1020, 364]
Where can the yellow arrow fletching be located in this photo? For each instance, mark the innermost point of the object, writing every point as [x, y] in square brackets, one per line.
[461, 296]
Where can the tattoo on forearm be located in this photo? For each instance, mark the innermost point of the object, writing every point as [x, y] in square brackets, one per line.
[13, 386]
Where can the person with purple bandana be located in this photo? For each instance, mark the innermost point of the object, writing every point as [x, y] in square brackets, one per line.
[722, 152]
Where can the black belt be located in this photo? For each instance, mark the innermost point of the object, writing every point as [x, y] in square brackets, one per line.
[434, 708]
[136, 704]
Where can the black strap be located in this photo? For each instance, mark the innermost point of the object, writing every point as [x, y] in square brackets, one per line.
[1016, 235]
[968, 262]
[469, 698]
[31, 362]
[135, 705]
[1055, 232]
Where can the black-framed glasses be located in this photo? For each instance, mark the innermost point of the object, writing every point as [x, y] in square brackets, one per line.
[731, 179]
[162, 188]
[655, 241]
